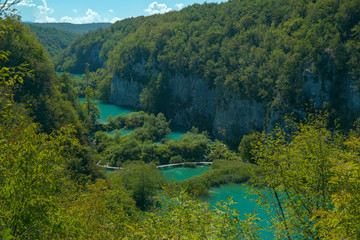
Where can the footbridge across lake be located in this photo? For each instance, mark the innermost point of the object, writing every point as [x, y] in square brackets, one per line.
[159, 166]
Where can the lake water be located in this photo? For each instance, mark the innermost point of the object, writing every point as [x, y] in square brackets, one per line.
[123, 132]
[175, 135]
[246, 203]
[110, 109]
[178, 174]
[73, 74]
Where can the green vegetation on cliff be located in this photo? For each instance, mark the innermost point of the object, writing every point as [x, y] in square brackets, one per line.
[263, 50]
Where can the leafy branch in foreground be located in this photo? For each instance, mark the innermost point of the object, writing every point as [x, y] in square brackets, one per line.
[311, 174]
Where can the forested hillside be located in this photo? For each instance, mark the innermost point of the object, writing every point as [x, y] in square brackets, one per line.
[281, 56]
[47, 100]
[54, 40]
[70, 27]
[93, 48]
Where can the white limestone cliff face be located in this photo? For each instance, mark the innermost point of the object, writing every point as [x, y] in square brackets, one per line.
[192, 102]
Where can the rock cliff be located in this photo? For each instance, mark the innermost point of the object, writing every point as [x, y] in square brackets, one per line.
[191, 102]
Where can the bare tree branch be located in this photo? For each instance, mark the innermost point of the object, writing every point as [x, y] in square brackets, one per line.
[5, 5]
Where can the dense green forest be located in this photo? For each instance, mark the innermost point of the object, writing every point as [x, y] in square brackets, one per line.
[51, 184]
[80, 53]
[54, 40]
[70, 27]
[264, 51]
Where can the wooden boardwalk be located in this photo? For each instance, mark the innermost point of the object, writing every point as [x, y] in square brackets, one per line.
[109, 167]
[159, 166]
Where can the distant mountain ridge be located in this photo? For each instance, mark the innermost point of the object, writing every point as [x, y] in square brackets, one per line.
[70, 27]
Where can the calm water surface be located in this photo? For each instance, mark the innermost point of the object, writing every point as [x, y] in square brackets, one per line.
[110, 109]
[246, 203]
[123, 132]
[179, 174]
[74, 74]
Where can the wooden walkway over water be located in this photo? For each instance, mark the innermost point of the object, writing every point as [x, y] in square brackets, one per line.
[109, 167]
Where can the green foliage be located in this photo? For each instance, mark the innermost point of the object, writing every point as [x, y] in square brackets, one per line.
[302, 165]
[342, 220]
[33, 177]
[142, 180]
[182, 217]
[191, 146]
[153, 96]
[221, 172]
[41, 90]
[128, 121]
[245, 147]
[139, 144]
[220, 151]
[92, 110]
[189, 165]
[54, 40]
[147, 127]
[102, 210]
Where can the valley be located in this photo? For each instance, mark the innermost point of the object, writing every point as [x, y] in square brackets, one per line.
[219, 120]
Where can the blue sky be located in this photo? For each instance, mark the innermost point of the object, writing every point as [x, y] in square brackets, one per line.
[88, 11]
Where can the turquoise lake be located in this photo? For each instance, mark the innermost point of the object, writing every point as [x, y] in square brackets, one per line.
[175, 135]
[178, 174]
[246, 203]
[123, 132]
[73, 74]
[110, 109]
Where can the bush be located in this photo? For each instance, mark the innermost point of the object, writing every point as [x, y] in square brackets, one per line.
[189, 165]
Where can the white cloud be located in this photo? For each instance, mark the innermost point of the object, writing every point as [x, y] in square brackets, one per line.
[26, 3]
[90, 17]
[179, 5]
[115, 19]
[42, 13]
[155, 8]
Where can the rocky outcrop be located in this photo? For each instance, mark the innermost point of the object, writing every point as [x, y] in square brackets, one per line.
[192, 102]
[125, 92]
